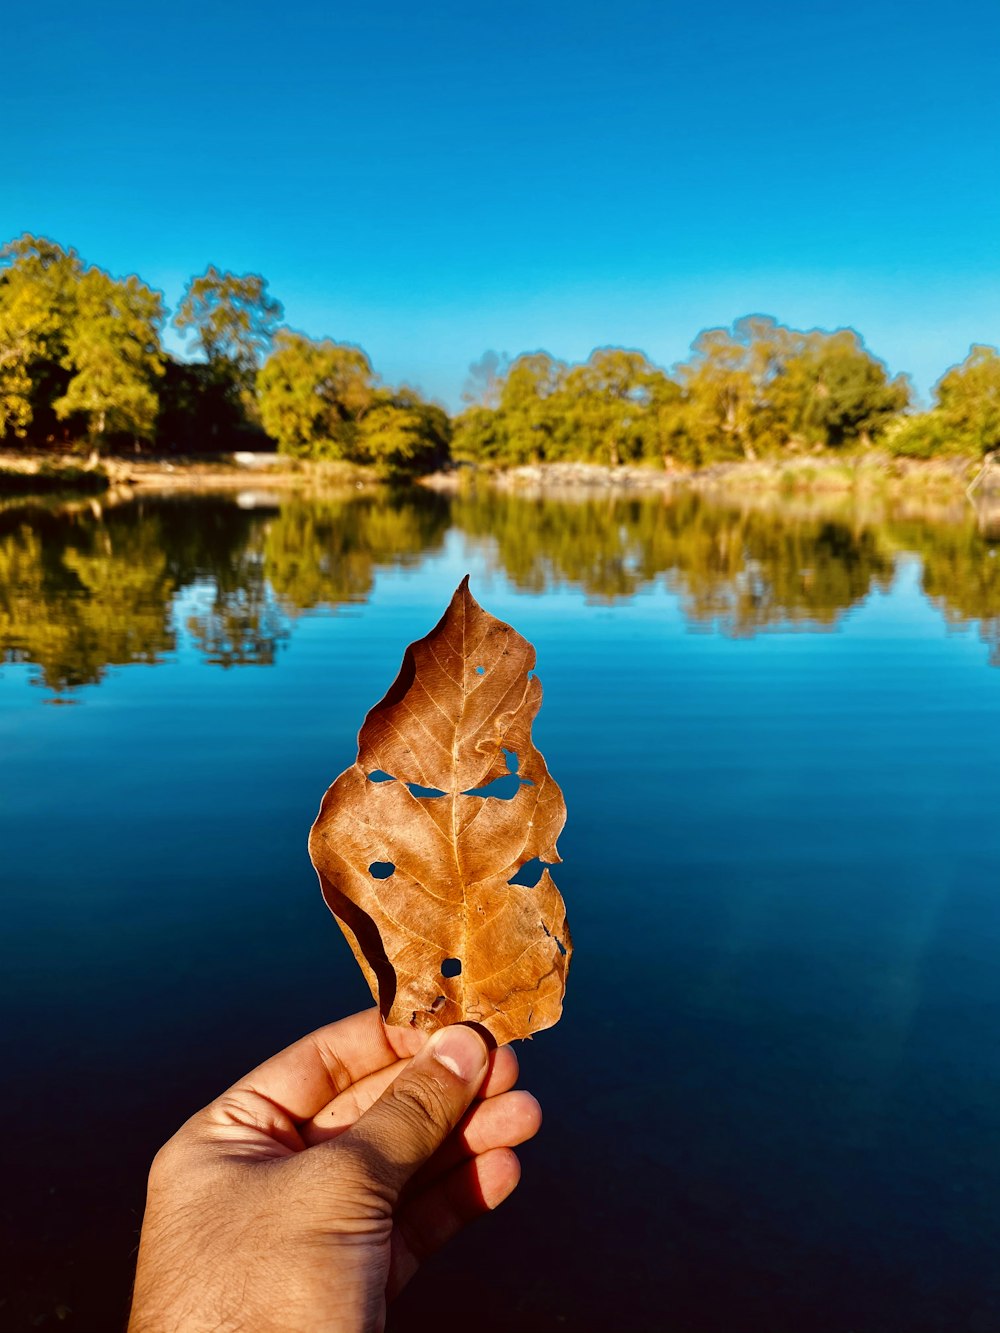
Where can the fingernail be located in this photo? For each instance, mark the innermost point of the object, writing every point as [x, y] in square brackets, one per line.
[459, 1049]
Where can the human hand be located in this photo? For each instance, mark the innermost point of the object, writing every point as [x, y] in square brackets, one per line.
[306, 1196]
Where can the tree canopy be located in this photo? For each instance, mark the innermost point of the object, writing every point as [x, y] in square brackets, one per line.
[757, 388]
[81, 360]
[232, 318]
[965, 415]
[323, 400]
[76, 346]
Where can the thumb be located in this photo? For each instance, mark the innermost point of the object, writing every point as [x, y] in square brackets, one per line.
[421, 1107]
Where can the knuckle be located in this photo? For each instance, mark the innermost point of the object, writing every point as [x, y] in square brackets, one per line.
[422, 1101]
[166, 1160]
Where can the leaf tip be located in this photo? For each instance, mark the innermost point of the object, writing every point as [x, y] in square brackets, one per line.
[463, 593]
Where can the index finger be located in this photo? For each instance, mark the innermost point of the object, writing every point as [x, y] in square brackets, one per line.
[304, 1077]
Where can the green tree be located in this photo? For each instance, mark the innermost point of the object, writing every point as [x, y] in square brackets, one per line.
[313, 396]
[232, 318]
[113, 354]
[233, 321]
[923, 435]
[530, 409]
[721, 385]
[762, 387]
[846, 396]
[477, 436]
[322, 400]
[401, 433]
[965, 416]
[38, 289]
[968, 401]
[611, 407]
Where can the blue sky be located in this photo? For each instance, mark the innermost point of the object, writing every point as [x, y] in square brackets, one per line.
[434, 180]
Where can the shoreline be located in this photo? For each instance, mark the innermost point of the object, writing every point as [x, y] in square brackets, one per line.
[26, 473]
[795, 475]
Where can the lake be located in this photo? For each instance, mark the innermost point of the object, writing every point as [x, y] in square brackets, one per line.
[773, 1103]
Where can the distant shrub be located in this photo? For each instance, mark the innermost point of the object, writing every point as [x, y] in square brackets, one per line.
[923, 436]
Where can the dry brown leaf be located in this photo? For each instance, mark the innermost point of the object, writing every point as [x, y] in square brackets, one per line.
[420, 883]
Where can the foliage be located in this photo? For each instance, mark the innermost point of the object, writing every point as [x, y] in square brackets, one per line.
[312, 396]
[965, 415]
[233, 321]
[609, 409]
[758, 388]
[113, 352]
[80, 358]
[849, 397]
[923, 435]
[38, 282]
[232, 318]
[968, 401]
[76, 345]
[322, 400]
[401, 433]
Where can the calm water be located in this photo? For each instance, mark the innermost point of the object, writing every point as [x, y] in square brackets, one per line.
[774, 1100]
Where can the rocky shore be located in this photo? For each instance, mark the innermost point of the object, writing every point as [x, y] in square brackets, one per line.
[820, 473]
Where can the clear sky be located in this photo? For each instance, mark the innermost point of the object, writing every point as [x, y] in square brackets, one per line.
[432, 180]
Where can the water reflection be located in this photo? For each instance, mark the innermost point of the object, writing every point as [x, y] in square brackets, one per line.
[961, 576]
[325, 552]
[89, 587]
[739, 569]
[79, 593]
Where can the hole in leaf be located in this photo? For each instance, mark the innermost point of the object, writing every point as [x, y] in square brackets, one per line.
[559, 944]
[381, 869]
[377, 775]
[451, 967]
[438, 1004]
[480, 671]
[504, 789]
[415, 789]
[530, 873]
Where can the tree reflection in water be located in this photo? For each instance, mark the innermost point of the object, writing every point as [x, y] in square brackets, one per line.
[88, 587]
[741, 569]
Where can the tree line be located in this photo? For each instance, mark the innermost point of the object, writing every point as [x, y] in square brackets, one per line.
[756, 390]
[82, 360]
